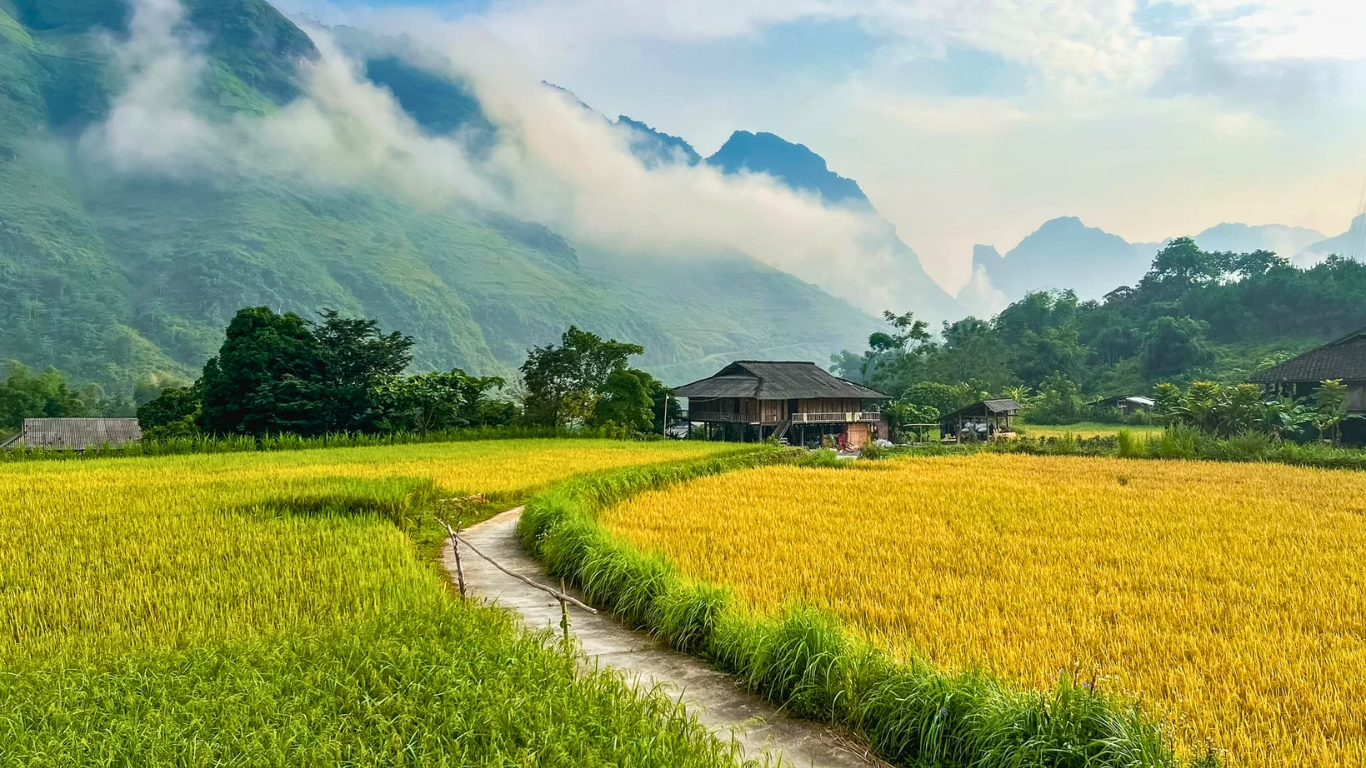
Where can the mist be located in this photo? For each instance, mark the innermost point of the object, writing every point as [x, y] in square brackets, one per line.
[554, 162]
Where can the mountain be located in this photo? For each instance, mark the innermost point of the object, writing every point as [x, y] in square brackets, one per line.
[1063, 253]
[1242, 238]
[114, 276]
[655, 148]
[801, 169]
[793, 164]
[1350, 244]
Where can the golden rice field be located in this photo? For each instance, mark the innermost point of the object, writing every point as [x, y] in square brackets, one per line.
[1229, 598]
[271, 609]
[113, 554]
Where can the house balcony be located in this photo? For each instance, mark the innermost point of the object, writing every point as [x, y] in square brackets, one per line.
[857, 417]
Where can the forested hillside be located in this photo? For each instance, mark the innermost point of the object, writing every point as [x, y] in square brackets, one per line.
[116, 276]
[1195, 315]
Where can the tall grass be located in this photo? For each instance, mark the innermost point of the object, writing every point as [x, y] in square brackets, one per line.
[210, 444]
[1185, 443]
[912, 713]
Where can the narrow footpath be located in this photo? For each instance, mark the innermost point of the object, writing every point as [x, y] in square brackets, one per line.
[713, 697]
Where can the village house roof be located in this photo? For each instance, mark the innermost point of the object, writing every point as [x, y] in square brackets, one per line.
[764, 380]
[1342, 359]
[983, 409]
[78, 434]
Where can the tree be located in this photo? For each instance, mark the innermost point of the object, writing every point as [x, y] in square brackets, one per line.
[355, 356]
[174, 404]
[1173, 346]
[627, 399]
[266, 378]
[563, 384]
[25, 396]
[943, 398]
[1330, 403]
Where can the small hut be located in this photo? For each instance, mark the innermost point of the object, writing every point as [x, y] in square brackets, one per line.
[980, 421]
[76, 434]
[1127, 405]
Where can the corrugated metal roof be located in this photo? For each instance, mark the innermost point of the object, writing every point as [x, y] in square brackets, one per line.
[9, 441]
[1342, 359]
[78, 434]
[984, 408]
[769, 380]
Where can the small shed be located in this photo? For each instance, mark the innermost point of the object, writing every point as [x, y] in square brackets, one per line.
[77, 434]
[980, 421]
[1126, 404]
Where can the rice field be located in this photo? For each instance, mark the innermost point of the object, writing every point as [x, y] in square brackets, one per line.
[265, 609]
[1229, 599]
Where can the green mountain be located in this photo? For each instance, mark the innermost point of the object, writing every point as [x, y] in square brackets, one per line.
[111, 277]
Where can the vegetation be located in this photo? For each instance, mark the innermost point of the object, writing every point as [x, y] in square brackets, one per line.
[270, 610]
[912, 711]
[1220, 595]
[1196, 316]
[586, 380]
[112, 278]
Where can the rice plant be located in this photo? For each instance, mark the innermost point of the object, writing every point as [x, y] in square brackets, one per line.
[1226, 598]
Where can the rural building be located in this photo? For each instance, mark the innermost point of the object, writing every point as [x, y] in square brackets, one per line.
[979, 421]
[75, 434]
[1127, 405]
[1344, 359]
[799, 401]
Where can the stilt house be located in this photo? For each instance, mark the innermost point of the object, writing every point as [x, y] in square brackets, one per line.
[755, 400]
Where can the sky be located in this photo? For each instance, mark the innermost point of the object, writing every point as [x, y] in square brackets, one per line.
[974, 121]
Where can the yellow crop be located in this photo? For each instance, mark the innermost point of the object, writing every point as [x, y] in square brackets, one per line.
[1229, 598]
[117, 554]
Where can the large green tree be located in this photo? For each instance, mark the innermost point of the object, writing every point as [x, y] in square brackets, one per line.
[266, 378]
[564, 383]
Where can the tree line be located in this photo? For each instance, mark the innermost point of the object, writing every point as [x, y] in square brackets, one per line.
[1196, 316]
[283, 374]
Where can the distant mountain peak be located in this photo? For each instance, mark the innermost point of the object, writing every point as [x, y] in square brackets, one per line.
[985, 256]
[793, 164]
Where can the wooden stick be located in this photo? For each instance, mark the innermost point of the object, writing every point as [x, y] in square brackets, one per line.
[557, 595]
[459, 569]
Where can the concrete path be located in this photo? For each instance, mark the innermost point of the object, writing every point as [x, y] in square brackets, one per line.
[712, 696]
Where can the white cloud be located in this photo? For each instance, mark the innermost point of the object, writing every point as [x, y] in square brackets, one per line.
[555, 162]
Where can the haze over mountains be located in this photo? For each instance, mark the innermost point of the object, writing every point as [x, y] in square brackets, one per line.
[162, 166]
[1066, 254]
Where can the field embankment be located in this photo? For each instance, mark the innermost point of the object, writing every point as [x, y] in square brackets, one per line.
[278, 609]
[1227, 598]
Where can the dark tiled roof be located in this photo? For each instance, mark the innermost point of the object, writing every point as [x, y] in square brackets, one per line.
[776, 381]
[1343, 359]
[78, 434]
[992, 407]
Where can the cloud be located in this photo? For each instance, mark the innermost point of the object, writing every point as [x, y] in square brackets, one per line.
[554, 162]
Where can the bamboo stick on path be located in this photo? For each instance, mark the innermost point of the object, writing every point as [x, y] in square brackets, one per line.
[549, 590]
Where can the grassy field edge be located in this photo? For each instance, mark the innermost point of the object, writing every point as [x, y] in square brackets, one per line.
[909, 712]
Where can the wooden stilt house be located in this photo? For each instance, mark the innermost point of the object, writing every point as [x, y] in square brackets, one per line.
[799, 401]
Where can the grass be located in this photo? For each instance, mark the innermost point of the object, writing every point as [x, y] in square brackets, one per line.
[1085, 429]
[801, 656]
[284, 609]
[1225, 597]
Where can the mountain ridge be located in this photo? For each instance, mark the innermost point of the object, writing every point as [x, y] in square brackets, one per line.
[113, 278]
